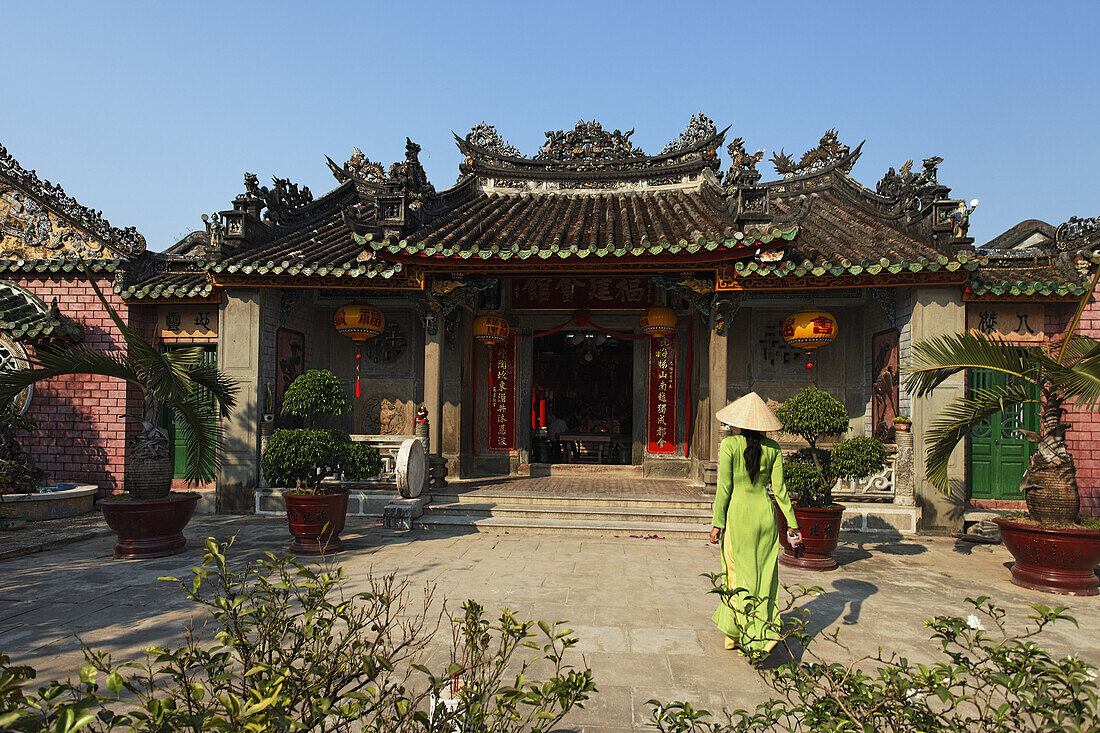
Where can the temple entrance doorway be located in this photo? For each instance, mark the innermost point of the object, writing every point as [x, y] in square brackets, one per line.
[582, 400]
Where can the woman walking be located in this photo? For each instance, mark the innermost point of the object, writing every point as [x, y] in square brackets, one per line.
[750, 540]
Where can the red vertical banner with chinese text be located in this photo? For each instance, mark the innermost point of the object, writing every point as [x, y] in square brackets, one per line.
[661, 428]
[502, 395]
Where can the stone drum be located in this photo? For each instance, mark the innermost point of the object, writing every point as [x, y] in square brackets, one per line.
[411, 468]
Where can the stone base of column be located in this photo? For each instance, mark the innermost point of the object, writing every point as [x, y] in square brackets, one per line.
[904, 483]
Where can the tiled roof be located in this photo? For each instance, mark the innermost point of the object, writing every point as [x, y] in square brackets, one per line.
[172, 285]
[23, 315]
[1026, 273]
[53, 267]
[574, 226]
[322, 247]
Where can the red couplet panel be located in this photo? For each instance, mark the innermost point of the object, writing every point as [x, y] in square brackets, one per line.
[502, 395]
[662, 394]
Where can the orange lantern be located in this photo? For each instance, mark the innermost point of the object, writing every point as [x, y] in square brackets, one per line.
[809, 329]
[490, 330]
[658, 321]
[358, 323]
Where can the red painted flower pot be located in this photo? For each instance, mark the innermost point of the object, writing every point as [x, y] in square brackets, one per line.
[820, 532]
[1052, 560]
[316, 522]
[149, 528]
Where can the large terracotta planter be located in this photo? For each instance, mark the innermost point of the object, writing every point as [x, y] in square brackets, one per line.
[316, 522]
[1052, 560]
[152, 528]
[820, 532]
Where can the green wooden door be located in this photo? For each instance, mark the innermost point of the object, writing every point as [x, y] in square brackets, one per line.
[179, 447]
[998, 456]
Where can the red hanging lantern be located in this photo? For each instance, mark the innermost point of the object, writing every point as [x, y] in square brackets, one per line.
[658, 321]
[358, 323]
[490, 330]
[809, 329]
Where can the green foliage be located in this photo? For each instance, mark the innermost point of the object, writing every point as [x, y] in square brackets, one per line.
[315, 393]
[990, 680]
[301, 459]
[813, 414]
[292, 651]
[18, 472]
[178, 379]
[360, 461]
[810, 482]
[857, 457]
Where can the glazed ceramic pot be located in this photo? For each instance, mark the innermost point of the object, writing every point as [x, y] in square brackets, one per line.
[820, 532]
[1052, 560]
[152, 528]
[316, 522]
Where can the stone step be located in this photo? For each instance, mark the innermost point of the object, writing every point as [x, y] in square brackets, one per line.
[653, 501]
[611, 514]
[587, 470]
[481, 523]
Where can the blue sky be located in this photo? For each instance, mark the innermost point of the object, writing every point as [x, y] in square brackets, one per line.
[153, 112]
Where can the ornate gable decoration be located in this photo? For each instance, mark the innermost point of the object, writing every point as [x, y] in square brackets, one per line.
[589, 144]
[39, 221]
[699, 130]
[829, 151]
[1078, 235]
[486, 137]
[408, 175]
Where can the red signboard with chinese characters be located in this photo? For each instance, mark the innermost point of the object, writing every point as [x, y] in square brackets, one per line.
[502, 395]
[662, 395]
[571, 293]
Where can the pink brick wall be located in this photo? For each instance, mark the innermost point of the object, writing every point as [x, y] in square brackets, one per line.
[1084, 435]
[81, 433]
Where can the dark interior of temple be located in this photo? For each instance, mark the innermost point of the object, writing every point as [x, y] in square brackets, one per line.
[582, 401]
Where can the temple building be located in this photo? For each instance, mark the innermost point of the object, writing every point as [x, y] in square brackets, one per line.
[521, 304]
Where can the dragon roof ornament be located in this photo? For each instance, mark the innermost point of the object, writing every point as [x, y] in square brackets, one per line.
[125, 242]
[829, 151]
[913, 190]
[281, 199]
[486, 137]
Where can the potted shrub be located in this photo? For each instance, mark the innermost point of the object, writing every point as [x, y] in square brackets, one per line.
[299, 461]
[149, 518]
[902, 424]
[811, 473]
[1055, 549]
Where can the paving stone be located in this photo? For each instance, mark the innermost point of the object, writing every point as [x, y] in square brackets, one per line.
[640, 608]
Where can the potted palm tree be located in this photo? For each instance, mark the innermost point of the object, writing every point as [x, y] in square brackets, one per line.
[1055, 549]
[149, 518]
[300, 460]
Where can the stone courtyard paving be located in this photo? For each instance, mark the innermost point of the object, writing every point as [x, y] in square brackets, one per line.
[638, 606]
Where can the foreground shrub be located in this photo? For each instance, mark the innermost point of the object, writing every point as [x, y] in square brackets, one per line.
[990, 681]
[292, 652]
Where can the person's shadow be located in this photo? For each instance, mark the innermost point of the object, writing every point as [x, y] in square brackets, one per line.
[844, 603]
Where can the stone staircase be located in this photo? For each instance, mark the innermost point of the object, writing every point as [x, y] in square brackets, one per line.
[489, 510]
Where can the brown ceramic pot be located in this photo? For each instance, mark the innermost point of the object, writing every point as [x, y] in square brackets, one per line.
[820, 532]
[1052, 560]
[316, 522]
[152, 528]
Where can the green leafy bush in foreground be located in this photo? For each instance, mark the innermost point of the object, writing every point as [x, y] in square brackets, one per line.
[292, 652]
[987, 680]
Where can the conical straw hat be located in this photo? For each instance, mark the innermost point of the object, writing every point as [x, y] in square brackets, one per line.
[750, 413]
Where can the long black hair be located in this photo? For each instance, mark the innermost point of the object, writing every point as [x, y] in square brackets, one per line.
[752, 454]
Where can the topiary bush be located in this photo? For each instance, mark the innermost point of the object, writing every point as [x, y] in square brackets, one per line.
[301, 459]
[857, 457]
[811, 415]
[316, 393]
[805, 483]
